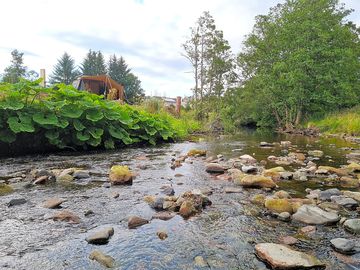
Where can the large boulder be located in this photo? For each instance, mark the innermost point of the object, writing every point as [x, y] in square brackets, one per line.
[282, 257]
[257, 181]
[311, 214]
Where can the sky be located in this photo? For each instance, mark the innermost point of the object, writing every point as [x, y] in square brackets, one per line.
[147, 33]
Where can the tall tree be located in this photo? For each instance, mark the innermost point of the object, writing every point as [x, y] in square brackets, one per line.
[301, 59]
[93, 64]
[119, 71]
[65, 70]
[211, 58]
[16, 70]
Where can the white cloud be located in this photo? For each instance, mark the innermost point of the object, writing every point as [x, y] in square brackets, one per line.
[148, 34]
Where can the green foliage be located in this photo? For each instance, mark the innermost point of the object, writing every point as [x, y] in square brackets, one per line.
[16, 70]
[93, 64]
[65, 70]
[301, 59]
[66, 117]
[347, 121]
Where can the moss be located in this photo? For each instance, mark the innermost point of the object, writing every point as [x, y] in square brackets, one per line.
[278, 205]
[196, 152]
[120, 171]
[5, 189]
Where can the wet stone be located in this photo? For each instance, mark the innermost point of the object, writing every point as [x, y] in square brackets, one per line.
[66, 215]
[214, 168]
[288, 240]
[325, 195]
[162, 234]
[233, 190]
[136, 221]
[169, 191]
[101, 237]
[311, 214]
[164, 215]
[352, 225]
[344, 201]
[81, 174]
[102, 258]
[15, 202]
[53, 203]
[249, 169]
[343, 245]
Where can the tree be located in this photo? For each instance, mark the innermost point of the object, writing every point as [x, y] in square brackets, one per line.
[301, 59]
[211, 59]
[65, 70]
[119, 71]
[93, 64]
[16, 70]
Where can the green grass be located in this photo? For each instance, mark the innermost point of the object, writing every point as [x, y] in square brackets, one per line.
[347, 121]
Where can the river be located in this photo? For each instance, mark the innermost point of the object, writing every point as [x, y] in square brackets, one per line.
[224, 234]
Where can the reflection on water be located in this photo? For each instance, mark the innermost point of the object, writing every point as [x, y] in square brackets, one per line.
[224, 234]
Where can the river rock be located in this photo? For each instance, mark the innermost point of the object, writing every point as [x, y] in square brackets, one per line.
[135, 221]
[41, 180]
[257, 181]
[353, 167]
[326, 195]
[15, 202]
[353, 195]
[338, 171]
[187, 209]
[65, 178]
[53, 203]
[349, 182]
[352, 225]
[164, 215]
[353, 156]
[214, 168]
[200, 262]
[80, 174]
[344, 201]
[278, 205]
[311, 214]
[282, 257]
[307, 230]
[282, 194]
[276, 169]
[102, 258]
[284, 216]
[266, 144]
[169, 191]
[285, 143]
[101, 237]
[247, 159]
[162, 234]
[258, 199]
[343, 245]
[233, 190]
[120, 175]
[286, 175]
[288, 240]
[66, 215]
[249, 169]
[316, 153]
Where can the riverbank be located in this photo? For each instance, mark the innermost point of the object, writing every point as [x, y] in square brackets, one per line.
[227, 233]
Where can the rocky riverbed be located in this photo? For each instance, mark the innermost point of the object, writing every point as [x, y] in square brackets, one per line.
[247, 202]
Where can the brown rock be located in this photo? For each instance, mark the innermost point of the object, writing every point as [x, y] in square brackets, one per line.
[258, 181]
[53, 203]
[66, 215]
[162, 235]
[187, 209]
[214, 168]
[102, 258]
[135, 221]
[164, 215]
[308, 230]
[288, 240]
[41, 180]
[278, 205]
[349, 182]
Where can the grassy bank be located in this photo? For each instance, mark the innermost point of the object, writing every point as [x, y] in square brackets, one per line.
[344, 122]
[63, 117]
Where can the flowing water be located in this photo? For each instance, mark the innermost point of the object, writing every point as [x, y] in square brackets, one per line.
[224, 234]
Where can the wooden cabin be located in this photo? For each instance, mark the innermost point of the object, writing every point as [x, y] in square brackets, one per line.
[101, 85]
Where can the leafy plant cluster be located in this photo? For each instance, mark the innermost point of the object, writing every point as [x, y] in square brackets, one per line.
[65, 117]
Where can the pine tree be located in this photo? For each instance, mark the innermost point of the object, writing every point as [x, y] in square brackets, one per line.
[65, 70]
[16, 70]
[93, 64]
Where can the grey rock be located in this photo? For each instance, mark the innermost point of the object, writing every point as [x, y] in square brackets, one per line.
[344, 201]
[311, 214]
[286, 175]
[325, 195]
[159, 203]
[249, 169]
[214, 168]
[284, 216]
[106, 185]
[81, 174]
[169, 191]
[353, 225]
[14, 202]
[101, 237]
[343, 245]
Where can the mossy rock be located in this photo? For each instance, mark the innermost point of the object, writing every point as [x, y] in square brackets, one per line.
[278, 205]
[258, 199]
[5, 189]
[120, 175]
[196, 152]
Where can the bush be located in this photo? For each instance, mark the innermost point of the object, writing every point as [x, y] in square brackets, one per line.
[65, 117]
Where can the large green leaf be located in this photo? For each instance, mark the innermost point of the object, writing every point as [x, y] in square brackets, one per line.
[94, 115]
[11, 103]
[82, 136]
[95, 132]
[52, 134]
[78, 125]
[71, 111]
[116, 132]
[94, 141]
[151, 131]
[47, 118]
[21, 123]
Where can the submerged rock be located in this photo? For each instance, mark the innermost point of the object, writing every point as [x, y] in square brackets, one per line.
[101, 237]
[135, 221]
[282, 257]
[257, 181]
[102, 258]
[311, 214]
[352, 225]
[343, 245]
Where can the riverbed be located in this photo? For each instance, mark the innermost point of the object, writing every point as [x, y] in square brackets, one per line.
[223, 234]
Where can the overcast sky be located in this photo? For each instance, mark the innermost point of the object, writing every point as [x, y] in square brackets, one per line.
[147, 33]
